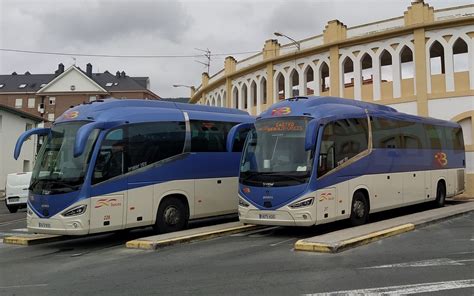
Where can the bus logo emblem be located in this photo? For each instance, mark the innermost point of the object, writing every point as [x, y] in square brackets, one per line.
[441, 158]
[281, 111]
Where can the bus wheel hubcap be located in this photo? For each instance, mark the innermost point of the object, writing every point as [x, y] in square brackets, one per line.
[359, 209]
[171, 215]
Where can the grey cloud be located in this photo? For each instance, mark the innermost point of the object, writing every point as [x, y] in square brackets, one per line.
[96, 22]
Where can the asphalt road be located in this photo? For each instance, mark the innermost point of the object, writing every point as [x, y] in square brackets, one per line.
[438, 259]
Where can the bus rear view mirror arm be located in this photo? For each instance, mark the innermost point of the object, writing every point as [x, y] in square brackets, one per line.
[85, 130]
[26, 135]
[311, 134]
[234, 131]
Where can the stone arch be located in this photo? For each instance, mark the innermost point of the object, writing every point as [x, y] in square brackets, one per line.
[308, 80]
[280, 86]
[294, 81]
[235, 98]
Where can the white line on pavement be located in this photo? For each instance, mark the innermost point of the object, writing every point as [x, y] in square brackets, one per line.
[424, 263]
[20, 230]
[279, 243]
[255, 231]
[405, 289]
[23, 286]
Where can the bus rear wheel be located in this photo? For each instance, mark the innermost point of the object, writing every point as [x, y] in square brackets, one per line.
[359, 209]
[440, 195]
[171, 216]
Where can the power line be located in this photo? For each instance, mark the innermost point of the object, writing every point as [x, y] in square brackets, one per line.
[120, 56]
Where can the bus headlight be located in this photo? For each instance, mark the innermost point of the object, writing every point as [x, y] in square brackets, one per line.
[302, 203]
[75, 211]
[243, 203]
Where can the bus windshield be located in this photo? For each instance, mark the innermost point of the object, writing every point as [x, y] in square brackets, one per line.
[275, 153]
[57, 170]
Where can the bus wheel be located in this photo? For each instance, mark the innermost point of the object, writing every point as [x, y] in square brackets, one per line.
[359, 209]
[12, 208]
[440, 195]
[172, 216]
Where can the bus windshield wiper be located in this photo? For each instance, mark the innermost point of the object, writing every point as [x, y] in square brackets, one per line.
[298, 179]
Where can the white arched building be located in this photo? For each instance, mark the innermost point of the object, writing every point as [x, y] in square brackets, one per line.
[420, 63]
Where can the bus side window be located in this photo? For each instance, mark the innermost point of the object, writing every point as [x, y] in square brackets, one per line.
[386, 133]
[208, 136]
[436, 140]
[240, 140]
[326, 155]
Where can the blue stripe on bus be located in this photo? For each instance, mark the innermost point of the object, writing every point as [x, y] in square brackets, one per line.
[200, 165]
[378, 162]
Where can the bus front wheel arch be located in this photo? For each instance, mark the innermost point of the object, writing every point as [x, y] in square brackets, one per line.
[360, 208]
[172, 214]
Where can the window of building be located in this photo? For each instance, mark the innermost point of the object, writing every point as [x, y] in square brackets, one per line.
[263, 90]
[2, 85]
[23, 85]
[385, 133]
[342, 140]
[209, 136]
[28, 126]
[437, 64]
[109, 84]
[295, 83]
[280, 83]
[128, 149]
[51, 117]
[18, 103]
[407, 65]
[31, 103]
[92, 98]
[460, 56]
[325, 79]
[52, 100]
[26, 166]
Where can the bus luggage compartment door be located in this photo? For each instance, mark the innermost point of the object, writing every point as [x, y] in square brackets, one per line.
[106, 213]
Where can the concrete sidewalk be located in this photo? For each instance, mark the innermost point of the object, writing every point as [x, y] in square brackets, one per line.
[341, 240]
[195, 234]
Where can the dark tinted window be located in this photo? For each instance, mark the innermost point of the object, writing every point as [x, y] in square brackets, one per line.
[127, 149]
[211, 136]
[342, 140]
[454, 138]
[240, 140]
[386, 133]
[413, 135]
[435, 136]
[152, 142]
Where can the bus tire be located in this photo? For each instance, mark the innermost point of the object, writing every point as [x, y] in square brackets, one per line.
[359, 209]
[12, 208]
[172, 216]
[440, 195]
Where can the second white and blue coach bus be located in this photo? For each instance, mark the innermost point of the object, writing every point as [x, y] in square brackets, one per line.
[116, 164]
[313, 160]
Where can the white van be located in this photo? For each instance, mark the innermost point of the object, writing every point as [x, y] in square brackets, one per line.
[16, 191]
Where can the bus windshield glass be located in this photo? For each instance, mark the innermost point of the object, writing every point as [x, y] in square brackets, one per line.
[57, 170]
[274, 154]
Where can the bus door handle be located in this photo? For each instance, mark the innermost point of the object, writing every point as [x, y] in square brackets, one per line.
[219, 181]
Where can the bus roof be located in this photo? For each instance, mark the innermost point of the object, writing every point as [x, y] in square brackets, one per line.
[137, 110]
[334, 108]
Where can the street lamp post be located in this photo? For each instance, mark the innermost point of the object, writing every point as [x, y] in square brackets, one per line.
[296, 43]
[192, 88]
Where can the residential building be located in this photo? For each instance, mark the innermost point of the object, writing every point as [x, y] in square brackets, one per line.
[13, 122]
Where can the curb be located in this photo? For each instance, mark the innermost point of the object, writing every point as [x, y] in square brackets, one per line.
[339, 246]
[145, 244]
[303, 245]
[31, 240]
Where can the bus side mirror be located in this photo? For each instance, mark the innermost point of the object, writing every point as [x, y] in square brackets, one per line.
[311, 134]
[234, 131]
[26, 135]
[84, 132]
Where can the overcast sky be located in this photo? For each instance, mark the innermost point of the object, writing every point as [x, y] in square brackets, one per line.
[147, 27]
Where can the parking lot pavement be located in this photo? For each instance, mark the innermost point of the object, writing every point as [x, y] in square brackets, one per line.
[439, 257]
[11, 223]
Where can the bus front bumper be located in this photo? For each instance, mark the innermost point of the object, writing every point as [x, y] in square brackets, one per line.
[283, 216]
[57, 224]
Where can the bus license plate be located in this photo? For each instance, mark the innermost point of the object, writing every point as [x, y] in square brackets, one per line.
[266, 216]
[44, 225]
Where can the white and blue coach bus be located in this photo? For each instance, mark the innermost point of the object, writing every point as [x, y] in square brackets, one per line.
[313, 160]
[117, 164]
